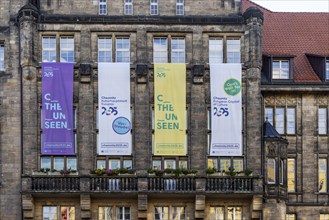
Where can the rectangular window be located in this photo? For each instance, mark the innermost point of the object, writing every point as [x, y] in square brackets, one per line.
[291, 175]
[160, 50]
[49, 213]
[154, 10]
[156, 164]
[234, 213]
[123, 213]
[269, 115]
[128, 164]
[290, 216]
[67, 213]
[2, 57]
[215, 51]
[322, 174]
[170, 164]
[178, 213]
[279, 120]
[48, 49]
[67, 49]
[225, 164]
[233, 51]
[114, 164]
[161, 213]
[281, 172]
[212, 163]
[122, 50]
[128, 7]
[271, 177]
[216, 213]
[58, 163]
[238, 165]
[324, 216]
[105, 213]
[291, 128]
[101, 164]
[280, 69]
[179, 7]
[327, 70]
[322, 120]
[105, 49]
[178, 50]
[102, 7]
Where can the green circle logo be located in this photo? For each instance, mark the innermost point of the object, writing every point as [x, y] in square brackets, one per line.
[232, 87]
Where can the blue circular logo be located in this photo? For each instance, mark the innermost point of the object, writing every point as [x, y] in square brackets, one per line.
[121, 125]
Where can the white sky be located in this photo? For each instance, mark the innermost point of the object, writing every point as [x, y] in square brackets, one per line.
[295, 5]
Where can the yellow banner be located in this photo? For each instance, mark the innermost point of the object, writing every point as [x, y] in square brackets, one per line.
[169, 109]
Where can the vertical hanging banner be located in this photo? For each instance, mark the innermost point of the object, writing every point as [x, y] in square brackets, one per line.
[226, 110]
[57, 109]
[114, 113]
[170, 109]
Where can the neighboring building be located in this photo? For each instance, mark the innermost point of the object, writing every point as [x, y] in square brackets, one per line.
[289, 160]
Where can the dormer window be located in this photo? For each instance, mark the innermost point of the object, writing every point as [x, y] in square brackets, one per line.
[280, 69]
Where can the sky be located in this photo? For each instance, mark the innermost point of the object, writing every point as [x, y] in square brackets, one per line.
[295, 5]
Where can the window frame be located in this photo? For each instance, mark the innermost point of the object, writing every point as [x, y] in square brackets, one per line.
[165, 54]
[290, 216]
[66, 50]
[58, 212]
[179, 50]
[2, 57]
[108, 48]
[114, 210]
[123, 49]
[160, 50]
[325, 122]
[167, 212]
[155, 9]
[272, 113]
[291, 178]
[48, 50]
[322, 172]
[212, 48]
[280, 60]
[233, 50]
[180, 9]
[128, 7]
[102, 7]
[327, 69]
[227, 49]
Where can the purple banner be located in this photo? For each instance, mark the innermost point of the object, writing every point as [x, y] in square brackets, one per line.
[57, 110]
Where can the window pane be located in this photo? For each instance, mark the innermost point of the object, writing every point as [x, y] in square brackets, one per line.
[291, 125]
[281, 172]
[182, 164]
[58, 163]
[49, 213]
[322, 175]
[67, 49]
[279, 120]
[234, 213]
[280, 69]
[128, 164]
[72, 163]
[290, 217]
[160, 50]
[291, 175]
[216, 213]
[67, 213]
[322, 120]
[215, 51]
[178, 50]
[122, 50]
[123, 213]
[178, 213]
[102, 7]
[327, 70]
[269, 115]
[212, 163]
[105, 49]
[105, 213]
[238, 165]
[45, 163]
[101, 164]
[48, 49]
[114, 164]
[161, 213]
[156, 164]
[170, 164]
[233, 51]
[271, 171]
[225, 164]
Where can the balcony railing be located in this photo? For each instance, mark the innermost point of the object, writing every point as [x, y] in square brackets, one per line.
[177, 184]
[60, 183]
[113, 184]
[229, 184]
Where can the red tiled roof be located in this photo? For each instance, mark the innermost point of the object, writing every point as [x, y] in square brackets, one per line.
[297, 34]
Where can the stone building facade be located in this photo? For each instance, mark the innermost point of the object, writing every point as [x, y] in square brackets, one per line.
[32, 31]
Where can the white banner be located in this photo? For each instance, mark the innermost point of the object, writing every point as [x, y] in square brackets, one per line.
[226, 110]
[114, 137]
